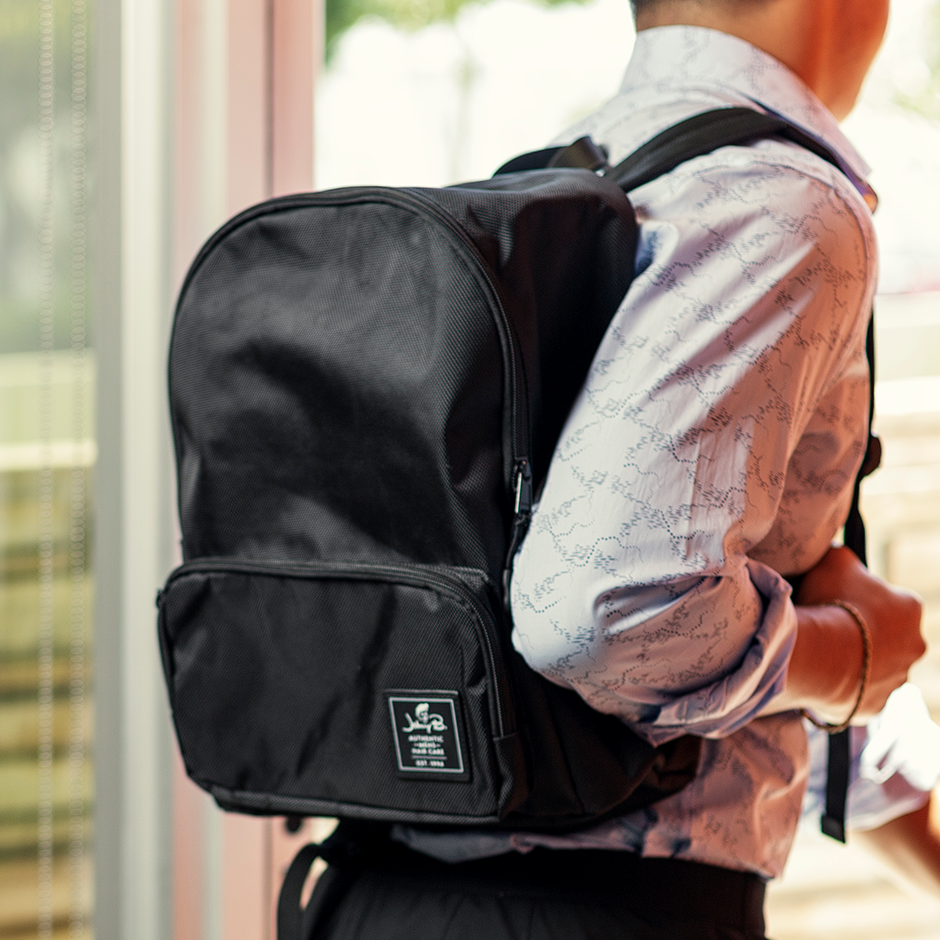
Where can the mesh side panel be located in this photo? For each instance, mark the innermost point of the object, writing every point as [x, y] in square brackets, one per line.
[563, 245]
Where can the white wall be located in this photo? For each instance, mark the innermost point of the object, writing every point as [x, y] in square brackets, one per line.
[453, 102]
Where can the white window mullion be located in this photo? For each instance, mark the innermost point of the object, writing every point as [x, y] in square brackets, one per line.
[133, 539]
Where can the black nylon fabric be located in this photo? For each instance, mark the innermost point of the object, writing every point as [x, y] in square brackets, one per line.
[355, 340]
[316, 417]
[354, 378]
[563, 244]
[250, 642]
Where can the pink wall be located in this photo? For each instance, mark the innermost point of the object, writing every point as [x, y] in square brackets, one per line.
[272, 52]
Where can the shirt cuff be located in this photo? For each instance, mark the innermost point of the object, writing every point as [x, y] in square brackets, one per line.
[728, 704]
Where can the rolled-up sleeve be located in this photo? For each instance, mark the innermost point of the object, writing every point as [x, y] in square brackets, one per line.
[649, 579]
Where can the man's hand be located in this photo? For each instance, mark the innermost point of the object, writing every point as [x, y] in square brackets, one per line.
[893, 616]
[826, 666]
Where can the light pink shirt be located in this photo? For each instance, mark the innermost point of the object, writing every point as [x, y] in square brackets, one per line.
[712, 450]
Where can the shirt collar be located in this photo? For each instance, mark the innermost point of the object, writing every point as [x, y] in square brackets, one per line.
[691, 56]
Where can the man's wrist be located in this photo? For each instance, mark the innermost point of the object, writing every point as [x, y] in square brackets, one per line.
[825, 665]
[864, 673]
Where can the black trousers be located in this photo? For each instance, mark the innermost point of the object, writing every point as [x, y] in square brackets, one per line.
[547, 894]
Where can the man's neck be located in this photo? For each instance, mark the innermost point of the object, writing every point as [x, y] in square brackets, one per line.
[805, 35]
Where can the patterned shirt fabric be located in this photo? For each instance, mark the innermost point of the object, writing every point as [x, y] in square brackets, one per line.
[711, 452]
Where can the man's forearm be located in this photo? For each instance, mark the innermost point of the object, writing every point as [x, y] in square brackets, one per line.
[825, 667]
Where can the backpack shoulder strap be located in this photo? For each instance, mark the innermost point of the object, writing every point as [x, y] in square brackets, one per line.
[703, 133]
[700, 134]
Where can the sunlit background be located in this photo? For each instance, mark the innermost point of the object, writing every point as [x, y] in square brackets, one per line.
[426, 94]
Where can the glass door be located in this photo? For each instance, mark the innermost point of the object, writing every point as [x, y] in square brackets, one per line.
[47, 457]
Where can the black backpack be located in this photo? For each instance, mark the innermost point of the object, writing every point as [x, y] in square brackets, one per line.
[366, 389]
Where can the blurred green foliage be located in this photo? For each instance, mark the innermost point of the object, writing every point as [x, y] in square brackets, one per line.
[410, 14]
[22, 183]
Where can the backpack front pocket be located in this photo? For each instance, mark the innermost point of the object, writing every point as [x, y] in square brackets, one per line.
[360, 690]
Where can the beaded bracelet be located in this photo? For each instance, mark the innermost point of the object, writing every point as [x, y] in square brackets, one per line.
[866, 670]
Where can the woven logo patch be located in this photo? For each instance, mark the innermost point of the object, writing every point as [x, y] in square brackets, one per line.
[426, 733]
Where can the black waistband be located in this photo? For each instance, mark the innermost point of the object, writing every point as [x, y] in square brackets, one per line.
[682, 889]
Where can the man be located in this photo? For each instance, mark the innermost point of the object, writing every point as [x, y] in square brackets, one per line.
[710, 456]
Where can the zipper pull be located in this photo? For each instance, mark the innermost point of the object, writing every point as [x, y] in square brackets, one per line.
[520, 522]
[523, 488]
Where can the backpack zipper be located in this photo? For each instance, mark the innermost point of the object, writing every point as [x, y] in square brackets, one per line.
[518, 434]
[521, 482]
